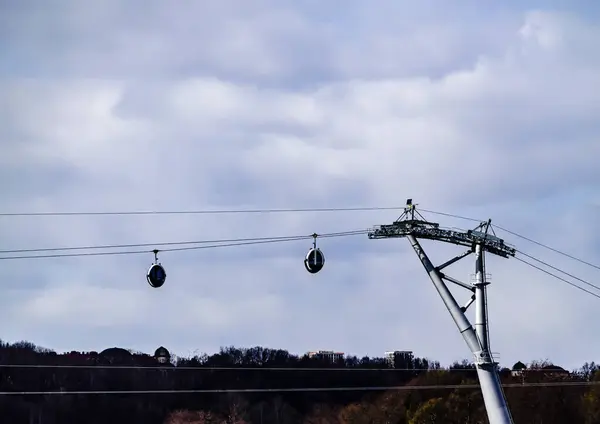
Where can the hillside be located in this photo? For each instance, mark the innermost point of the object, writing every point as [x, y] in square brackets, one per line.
[221, 388]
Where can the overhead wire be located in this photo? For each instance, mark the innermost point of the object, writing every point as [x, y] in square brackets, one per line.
[251, 211]
[255, 369]
[450, 215]
[204, 212]
[209, 244]
[596, 287]
[555, 268]
[548, 247]
[295, 389]
[127, 246]
[558, 277]
[205, 245]
[559, 270]
[516, 235]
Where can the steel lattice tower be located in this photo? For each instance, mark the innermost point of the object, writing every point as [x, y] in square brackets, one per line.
[481, 239]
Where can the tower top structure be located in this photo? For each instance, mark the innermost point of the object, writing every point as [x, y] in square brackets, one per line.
[413, 226]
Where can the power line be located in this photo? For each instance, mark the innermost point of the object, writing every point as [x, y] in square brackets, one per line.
[209, 244]
[127, 246]
[560, 270]
[262, 211]
[179, 249]
[295, 389]
[516, 235]
[548, 247]
[533, 258]
[217, 368]
[180, 243]
[564, 280]
[256, 368]
[240, 211]
[450, 215]
[203, 212]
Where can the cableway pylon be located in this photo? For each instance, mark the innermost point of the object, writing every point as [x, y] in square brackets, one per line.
[412, 226]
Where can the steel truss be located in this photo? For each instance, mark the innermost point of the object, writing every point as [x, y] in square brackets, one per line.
[412, 226]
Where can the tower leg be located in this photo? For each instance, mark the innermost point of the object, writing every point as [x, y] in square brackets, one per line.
[491, 389]
[486, 366]
[481, 319]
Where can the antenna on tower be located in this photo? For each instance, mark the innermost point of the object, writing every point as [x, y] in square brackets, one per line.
[413, 226]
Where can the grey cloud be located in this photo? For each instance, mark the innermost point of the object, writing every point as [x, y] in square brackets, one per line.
[273, 42]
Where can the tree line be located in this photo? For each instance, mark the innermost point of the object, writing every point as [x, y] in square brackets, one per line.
[221, 388]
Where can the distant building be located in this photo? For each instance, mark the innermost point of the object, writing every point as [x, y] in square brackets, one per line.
[397, 357]
[518, 369]
[555, 371]
[328, 355]
[162, 355]
[115, 356]
[549, 370]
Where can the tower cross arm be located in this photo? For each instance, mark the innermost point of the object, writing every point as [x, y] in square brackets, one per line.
[432, 231]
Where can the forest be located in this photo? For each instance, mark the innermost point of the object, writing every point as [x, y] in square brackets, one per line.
[272, 386]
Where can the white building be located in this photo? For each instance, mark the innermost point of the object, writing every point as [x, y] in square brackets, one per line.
[329, 355]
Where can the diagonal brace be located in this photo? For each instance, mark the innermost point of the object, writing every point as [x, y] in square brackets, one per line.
[454, 260]
[457, 282]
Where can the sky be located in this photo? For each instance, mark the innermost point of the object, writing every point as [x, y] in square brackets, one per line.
[478, 110]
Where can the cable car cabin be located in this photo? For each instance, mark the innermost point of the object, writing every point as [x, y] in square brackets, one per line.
[156, 276]
[314, 260]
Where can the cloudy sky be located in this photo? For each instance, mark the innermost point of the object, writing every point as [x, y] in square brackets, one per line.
[477, 110]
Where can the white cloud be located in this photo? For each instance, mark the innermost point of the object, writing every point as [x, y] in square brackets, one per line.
[174, 112]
